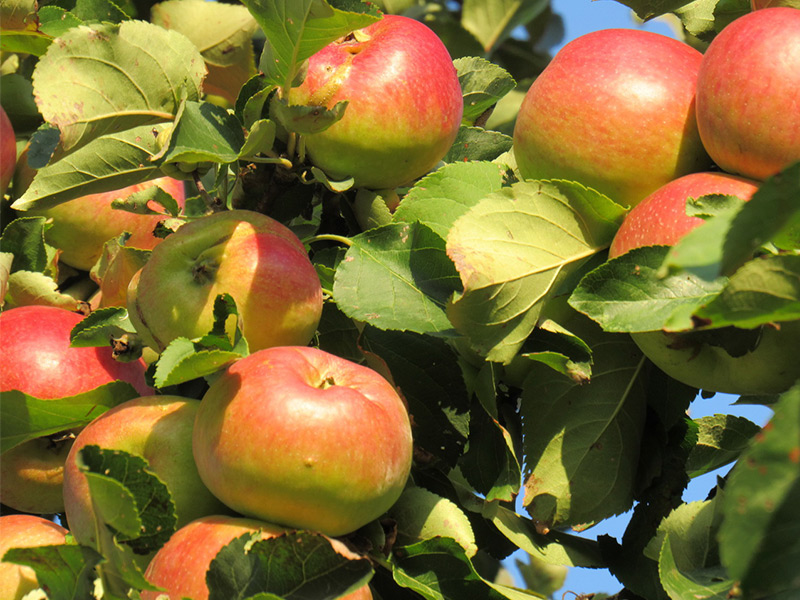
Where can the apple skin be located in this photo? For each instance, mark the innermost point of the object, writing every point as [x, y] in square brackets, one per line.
[82, 226]
[33, 475]
[255, 259]
[613, 110]
[758, 4]
[305, 439]
[660, 219]
[405, 103]
[24, 531]
[158, 428]
[748, 107]
[180, 566]
[8, 151]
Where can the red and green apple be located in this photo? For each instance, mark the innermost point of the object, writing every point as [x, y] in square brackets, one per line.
[24, 531]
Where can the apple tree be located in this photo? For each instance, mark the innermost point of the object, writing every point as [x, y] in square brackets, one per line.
[377, 344]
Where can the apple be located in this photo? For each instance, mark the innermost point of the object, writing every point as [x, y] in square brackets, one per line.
[757, 4]
[661, 219]
[302, 438]
[82, 226]
[36, 359]
[404, 103]
[158, 428]
[255, 259]
[693, 357]
[24, 531]
[614, 110]
[748, 106]
[180, 566]
[8, 151]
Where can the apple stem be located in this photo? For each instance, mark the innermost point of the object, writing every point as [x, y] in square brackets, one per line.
[284, 162]
[291, 143]
[330, 237]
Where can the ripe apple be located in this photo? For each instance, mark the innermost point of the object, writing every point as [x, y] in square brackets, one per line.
[613, 110]
[82, 226]
[180, 566]
[24, 531]
[8, 151]
[405, 103]
[692, 357]
[35, 358]
[255, 259]
[158, 428]
[305, 439]
[748, 106]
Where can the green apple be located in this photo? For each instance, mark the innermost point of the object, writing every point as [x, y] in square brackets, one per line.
[404, 103]
[255, 259]
[303, 438]
[613, 110]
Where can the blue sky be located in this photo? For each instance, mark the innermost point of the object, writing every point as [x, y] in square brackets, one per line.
[581, 17]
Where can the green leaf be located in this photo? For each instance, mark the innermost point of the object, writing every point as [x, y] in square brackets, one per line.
[760, 534]
[692, 531]
[260, 138]
[28, 287]
[24, 417]
[296, 29]
[764, 290]
[397, 277]
[423, 515]
[426, 369]
[582, 441]
[139, 202]
[101, 325]
[183, 360]
[513, 249]
[55, 21]
[294, 566]
[109, 163]
[64, 571]
[128, 498]
[139, 86]
[704, 584]
[440, 198]
[721, 439]
[483, 83]
[626, 293]
[24, 238]
[338, 334]
[492, 21]
[475, 143]
[307, 119]
[203, 132]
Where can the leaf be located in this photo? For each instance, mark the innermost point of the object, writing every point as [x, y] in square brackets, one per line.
[626, 294]
[65, 571]
[106, 78]
[293, 566]
[260, 138]
[28, 287]
[692, 531]
[582, 442]
[760, 533]
[128, 498]
[423, 515]
[24, 238]
[139, 202]
[492, 21]
[483, 83]
[307, 119]
[721, 439]
[296, 29]
[426, 370]
[706, 584]
[109, 163]
[25, 418]
[55, 21]
[114, 269]
[513, 249]
[203, 132]
[475, 143]
[99, 326]
[764, 290]
[397, 277]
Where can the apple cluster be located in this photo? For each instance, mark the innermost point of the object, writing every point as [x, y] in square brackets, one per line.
[651, 122]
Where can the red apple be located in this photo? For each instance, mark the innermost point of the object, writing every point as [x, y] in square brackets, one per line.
[748, 105]
[24, 531]
[8, 151]
[158, 428]
[772, 366]
[255, 259]
[405, 103]
[82, 226]
[661, 219]
[613, 110]
[180, 566]
[305, 439]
